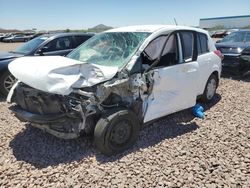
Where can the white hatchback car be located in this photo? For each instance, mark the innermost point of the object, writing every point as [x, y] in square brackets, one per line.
[115, 82]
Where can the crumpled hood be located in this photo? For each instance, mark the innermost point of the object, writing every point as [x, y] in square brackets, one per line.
[59, 75]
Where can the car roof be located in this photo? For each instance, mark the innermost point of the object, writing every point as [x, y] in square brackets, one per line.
[154, 28]
[55, 35]
[244, 30]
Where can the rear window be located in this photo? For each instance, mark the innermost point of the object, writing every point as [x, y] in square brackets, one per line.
[202, 43]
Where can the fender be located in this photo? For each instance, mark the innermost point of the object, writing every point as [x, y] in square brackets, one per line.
[4, 64]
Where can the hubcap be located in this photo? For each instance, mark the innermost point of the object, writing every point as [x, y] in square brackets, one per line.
[9, 81]
[211, 88]
[120, 134]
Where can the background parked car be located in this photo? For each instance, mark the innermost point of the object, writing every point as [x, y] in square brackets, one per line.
[232, 47]
[17, 38]
[245, 62]
[219, 34]
[5, 36]
[49, 44]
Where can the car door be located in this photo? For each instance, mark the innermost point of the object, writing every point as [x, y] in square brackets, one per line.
[59, 46]
[175, 77]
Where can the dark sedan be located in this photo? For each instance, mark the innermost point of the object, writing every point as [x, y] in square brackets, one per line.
[233, 47]
[49, 44]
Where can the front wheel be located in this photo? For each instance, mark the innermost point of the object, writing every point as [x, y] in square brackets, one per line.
[7, 80]
[116, 131]
[210, 89]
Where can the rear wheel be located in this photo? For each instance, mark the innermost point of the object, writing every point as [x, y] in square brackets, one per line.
[7, 80]
[210, 89]
[116, 131]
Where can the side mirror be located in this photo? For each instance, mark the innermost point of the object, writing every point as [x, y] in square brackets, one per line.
[42, 50]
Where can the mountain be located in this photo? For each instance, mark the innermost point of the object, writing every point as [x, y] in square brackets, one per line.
[99, 28]
[9, 30]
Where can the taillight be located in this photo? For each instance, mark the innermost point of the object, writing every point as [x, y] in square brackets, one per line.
[218, 53]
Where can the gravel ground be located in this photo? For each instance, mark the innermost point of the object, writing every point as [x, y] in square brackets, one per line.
[178, 151]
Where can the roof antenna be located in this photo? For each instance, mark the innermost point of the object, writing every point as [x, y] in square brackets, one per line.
[175, 22]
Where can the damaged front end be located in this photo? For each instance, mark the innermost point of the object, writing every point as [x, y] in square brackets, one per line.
[67, 96]
[69, 116]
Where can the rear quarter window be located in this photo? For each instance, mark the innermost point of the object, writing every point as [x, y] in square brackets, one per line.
[202, 43]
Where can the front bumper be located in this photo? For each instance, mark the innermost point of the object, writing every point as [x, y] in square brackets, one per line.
[37, 118]
[231, 61]
[64, 126]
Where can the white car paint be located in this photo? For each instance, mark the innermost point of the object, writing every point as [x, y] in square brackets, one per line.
[59, 75]
[175, 88]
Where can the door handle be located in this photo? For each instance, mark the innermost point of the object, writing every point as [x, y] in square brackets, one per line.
[188, 69]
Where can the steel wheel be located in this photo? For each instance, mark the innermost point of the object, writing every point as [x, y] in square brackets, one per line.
[120, 133]
[211, 88]
[116, 130]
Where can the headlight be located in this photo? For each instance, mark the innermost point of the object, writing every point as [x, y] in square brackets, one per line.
[239, 50]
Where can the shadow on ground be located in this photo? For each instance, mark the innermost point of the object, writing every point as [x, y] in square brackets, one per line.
[41, 149]
[230, 74]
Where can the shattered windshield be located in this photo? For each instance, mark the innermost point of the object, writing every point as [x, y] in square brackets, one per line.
[109, 49]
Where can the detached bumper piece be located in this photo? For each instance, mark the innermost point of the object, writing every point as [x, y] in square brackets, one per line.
[60, 125]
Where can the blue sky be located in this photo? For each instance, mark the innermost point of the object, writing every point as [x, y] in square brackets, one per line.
[79, 14]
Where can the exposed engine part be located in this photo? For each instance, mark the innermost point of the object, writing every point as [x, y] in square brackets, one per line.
[80, 109]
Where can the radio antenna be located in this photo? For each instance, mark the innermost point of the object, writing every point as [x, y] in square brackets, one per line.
[175, 22]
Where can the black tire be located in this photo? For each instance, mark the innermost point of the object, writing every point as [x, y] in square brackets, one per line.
[208, 95]
[4, 87]
[116, 131]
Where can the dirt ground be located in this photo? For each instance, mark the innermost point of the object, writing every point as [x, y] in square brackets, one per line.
[178, 151]
[9, 46]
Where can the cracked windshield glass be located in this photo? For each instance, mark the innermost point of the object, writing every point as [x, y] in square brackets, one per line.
[110, 49]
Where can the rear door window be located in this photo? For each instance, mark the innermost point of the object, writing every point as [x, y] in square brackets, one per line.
[80, 39]
[187, 41]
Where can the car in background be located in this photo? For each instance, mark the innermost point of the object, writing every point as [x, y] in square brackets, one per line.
[219, 34]
[233, 48]
[17, 38]
[5, 36]
[1, 37]
[115, 82]
[244, 62]
[49, 44]
[222, 33]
